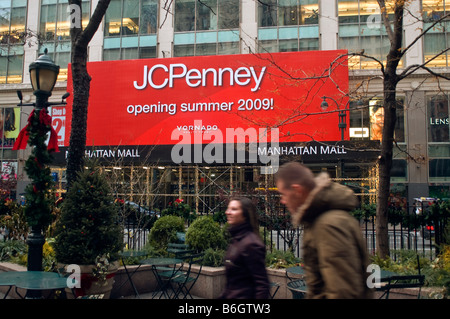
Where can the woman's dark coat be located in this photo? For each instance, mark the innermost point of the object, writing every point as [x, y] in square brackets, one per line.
[245, 265]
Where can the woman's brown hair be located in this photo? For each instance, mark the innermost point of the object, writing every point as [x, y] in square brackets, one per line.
[249, 211]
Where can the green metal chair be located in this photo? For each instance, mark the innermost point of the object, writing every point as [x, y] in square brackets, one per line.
[401, 282]
[276, 286]
[179, 250]
[297, 288]
[186, 280]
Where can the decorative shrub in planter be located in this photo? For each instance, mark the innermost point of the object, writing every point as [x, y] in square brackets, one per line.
[88, 230]
[165, 231]
[205, 233]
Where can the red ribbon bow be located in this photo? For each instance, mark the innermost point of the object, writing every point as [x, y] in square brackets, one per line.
[45, 119]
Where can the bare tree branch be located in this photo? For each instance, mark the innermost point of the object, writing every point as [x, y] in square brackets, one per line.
[425, 32]
[413, 68]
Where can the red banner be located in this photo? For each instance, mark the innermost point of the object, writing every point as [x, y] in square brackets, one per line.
[155, 101]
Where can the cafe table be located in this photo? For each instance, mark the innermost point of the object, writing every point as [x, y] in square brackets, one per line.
[32, 280]
[166, 264]
[9, 279]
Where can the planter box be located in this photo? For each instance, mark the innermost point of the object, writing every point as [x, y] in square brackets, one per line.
[209, 285]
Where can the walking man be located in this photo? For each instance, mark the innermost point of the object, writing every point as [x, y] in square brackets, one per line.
[334, 252]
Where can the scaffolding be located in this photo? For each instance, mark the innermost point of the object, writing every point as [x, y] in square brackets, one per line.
[205, 189]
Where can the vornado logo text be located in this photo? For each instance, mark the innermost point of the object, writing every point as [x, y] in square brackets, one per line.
[242, 76]
[215, 146]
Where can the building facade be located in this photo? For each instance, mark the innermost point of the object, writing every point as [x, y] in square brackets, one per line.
[147, 29]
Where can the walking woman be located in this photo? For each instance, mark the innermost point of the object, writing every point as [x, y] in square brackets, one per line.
[245, 258]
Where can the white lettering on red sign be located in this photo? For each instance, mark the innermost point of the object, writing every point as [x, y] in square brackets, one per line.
[195, 77]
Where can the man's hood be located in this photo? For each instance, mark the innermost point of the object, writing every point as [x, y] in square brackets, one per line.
[325, 196]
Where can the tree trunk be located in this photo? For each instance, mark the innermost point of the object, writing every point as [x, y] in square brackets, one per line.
[385, 165]
[390, 80]
[81, 85]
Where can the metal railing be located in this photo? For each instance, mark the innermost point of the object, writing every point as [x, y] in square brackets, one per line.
[412, 232]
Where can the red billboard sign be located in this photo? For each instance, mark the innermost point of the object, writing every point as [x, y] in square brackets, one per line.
[155, 101]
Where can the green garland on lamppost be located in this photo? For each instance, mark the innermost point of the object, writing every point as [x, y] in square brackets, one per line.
[37, 209]
[43, 74]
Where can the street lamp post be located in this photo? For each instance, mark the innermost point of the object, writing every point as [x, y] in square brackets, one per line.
[342, 123]
[342, 113]
[43, 74]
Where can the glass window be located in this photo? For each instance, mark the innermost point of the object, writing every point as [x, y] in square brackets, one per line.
[48, 22]
[54, 26]
[360, 27]
[228, 19]
[399, 168]
[149, 15]
[185, 15]
[206, 49]
[287, 12]
[203, 27]
[206, 15]
[288, 25]
[438, 125]
[440, 168]
[130, 29]
[183, 50]
[111, 54]
[367, 119]
[130, 20]
[228, 47]
[267, 13]
[193, 15]
[12, 26]
[438, 38]
[9, 125]
[113, 18]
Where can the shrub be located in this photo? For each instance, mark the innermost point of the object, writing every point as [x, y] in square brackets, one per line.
[12, 248]
[88, 226]
[165, 231]
[214, 257]
[281, 259]
[13, 218]
[205, 233]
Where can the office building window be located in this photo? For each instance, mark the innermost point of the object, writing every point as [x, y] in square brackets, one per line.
[54, 27]
[130, 29]
[361, 28]
[206, 15]
[208, 27]
[438, 126]
[13, 15]
[288, 25]
[437, 39]
[367, 120]
[438, 137]
[9, 126]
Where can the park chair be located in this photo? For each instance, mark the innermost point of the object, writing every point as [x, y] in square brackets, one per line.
[403, 281]
[185, 281]
[297, 288]
[181, 237]
[276, 286]
[179, 250]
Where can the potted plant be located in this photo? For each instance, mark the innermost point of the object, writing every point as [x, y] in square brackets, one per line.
[88, 233]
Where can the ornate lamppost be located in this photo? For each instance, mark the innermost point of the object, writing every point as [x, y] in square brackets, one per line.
[342, 122]
[342, 113]
[43, 74]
